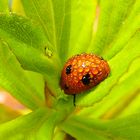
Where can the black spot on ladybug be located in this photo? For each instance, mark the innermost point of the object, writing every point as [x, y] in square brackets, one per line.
[86, 79]
[68, 69]
[66, 87]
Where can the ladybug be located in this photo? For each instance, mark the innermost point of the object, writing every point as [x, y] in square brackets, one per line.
[82, 72]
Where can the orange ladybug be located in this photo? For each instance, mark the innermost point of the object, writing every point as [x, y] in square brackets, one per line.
[83, 72]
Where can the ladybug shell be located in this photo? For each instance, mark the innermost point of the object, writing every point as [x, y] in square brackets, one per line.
[82, 72]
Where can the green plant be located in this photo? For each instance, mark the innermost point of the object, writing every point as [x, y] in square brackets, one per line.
[36, 40]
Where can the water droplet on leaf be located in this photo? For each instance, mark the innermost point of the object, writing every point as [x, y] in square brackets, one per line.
[48, 52]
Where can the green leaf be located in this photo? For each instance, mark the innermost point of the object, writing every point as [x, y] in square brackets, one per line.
[82, 18]
[61, 21]
[109, 23]
[7, 114]
[126, 128]
[128, 94]
[28, 44]
[14, 79]
[4, 6]
[56, 26]
[24, 37]
[87, 128]
[37, 79]
[52, 16]
[59, 135]
[43, 12]
[47, 129]
[16, 7]
[23, 30]
[38, 125]
[133, 106]
[22, 126]
[83, 129]
[129, 28]
[32, 59]
[118, 69]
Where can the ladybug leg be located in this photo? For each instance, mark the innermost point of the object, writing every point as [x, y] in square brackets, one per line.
[101, 58]
[74, 99]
